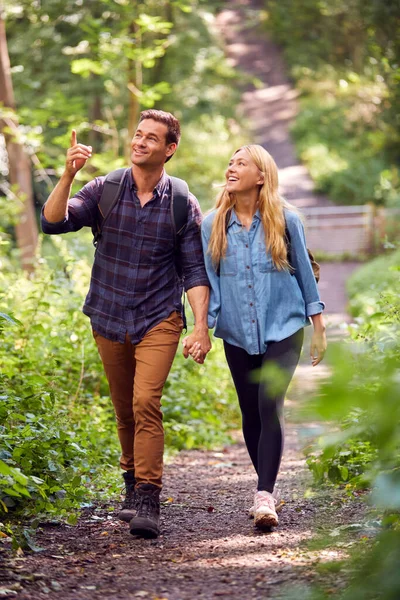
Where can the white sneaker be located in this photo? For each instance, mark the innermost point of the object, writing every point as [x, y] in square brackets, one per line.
[264, 514]
[278, 503]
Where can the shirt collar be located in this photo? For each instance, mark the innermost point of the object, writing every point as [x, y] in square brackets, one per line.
[159, 188]
[234, 218]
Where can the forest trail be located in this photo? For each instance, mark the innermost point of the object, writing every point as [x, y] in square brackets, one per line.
[271, 105]
[208, 547]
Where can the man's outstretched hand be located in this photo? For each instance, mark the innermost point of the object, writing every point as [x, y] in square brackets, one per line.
[77, 155]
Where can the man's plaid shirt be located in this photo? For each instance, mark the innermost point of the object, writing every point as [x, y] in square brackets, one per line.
[134, 285]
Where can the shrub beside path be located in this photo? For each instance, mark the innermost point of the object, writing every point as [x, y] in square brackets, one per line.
[208, 548]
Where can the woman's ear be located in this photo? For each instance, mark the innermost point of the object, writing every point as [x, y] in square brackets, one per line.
[261, 179]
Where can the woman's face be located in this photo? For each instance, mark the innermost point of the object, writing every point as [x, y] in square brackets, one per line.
[242, 175]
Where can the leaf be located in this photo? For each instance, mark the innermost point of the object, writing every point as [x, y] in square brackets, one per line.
[30, 543]
[86, 67]
[5, 469]
[9, 319]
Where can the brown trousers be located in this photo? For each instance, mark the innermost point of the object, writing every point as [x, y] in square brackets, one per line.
[136, 375]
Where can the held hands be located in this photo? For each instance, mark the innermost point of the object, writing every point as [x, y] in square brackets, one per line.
[197, 345]
[77, 155]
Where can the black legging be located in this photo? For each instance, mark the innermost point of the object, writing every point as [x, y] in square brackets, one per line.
[261, 402]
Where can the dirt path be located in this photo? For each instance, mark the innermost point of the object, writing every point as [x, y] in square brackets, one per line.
[208, 547]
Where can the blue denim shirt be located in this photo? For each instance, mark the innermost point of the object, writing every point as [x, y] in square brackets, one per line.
[251, 302]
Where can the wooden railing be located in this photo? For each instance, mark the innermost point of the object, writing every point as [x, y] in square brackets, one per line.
[340, 229]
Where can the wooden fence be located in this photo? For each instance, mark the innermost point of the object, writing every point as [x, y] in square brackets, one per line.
[337, 230]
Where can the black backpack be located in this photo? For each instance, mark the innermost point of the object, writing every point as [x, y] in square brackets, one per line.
[113, 187]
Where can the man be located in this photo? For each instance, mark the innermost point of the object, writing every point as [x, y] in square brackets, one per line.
[134, 299]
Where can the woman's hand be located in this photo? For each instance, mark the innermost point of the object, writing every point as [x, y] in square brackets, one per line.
[318, 340]
[318, 347]
[196, 353]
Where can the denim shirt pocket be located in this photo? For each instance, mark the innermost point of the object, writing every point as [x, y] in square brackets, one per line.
[229, 264]
[265, 262]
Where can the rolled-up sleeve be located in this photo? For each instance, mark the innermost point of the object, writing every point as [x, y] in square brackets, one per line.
[215, 294]
[302, 266]
[191, 252]
[81, 210]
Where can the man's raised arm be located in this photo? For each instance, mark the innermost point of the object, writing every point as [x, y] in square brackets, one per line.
[55, 208]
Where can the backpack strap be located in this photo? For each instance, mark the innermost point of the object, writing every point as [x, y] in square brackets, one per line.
[179, 206]
[179, 218]
[112, 188]
[314, 265]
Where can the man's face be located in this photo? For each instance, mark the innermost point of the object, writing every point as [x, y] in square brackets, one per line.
[149, 147]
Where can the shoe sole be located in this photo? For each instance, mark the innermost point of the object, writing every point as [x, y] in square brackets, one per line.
[143, 528]
[278, 508]
[266, 521]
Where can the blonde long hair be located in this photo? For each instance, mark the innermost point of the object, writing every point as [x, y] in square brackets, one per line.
[270, 204]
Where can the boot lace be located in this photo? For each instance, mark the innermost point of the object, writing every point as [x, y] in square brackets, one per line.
[130, 500]
[147, 505]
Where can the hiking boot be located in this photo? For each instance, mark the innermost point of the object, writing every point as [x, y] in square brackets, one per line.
[264, 514]
[278, 503]
[128, 510]
[147, 518]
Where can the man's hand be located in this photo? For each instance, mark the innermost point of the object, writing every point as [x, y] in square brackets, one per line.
[197, 345]
[77, 156]
[318, 347]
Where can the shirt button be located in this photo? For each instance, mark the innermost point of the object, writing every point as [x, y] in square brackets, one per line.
[253, 321]
[247, 267]
[251, 304]
[250, 286]
[247, 245]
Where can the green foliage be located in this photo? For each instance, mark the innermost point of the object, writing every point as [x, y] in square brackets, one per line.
[362, 397]
[371, 286]
[349, 463]
[344, 57]
[199, 404]
[93, 67]
[363, 393]
[339, 135]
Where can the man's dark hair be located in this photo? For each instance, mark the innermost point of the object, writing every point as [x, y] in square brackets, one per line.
[174, 129]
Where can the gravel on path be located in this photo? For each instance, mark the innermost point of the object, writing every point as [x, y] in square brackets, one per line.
[208, 547]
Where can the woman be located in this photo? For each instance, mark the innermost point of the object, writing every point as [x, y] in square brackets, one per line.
[262, 296]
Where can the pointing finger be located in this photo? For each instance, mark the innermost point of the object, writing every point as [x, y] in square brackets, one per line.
[73, 138]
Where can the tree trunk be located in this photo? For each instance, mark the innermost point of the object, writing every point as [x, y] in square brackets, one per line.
[20, 177]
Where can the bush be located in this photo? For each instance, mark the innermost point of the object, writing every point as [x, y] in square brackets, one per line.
[370, 285]
[362, 397]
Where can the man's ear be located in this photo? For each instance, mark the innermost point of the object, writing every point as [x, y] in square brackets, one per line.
[171, 149]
